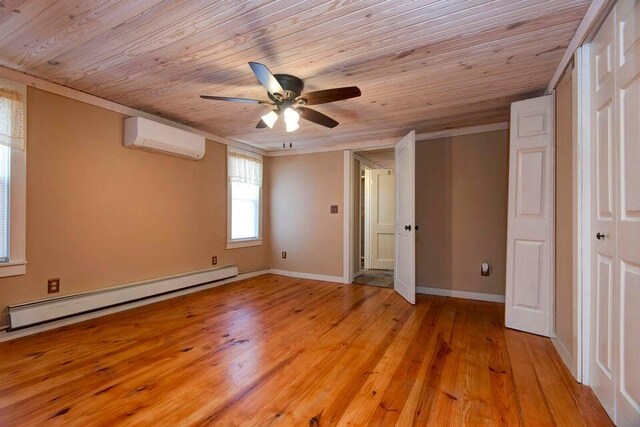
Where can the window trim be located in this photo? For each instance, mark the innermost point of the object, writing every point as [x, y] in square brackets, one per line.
[17, 264]
[252, 241]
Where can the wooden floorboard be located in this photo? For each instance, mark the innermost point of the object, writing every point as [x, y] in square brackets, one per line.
[274, 350]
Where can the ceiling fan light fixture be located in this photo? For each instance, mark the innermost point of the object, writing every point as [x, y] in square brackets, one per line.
[285, 94]
[292, 127]
[270, 118]
[291, 119]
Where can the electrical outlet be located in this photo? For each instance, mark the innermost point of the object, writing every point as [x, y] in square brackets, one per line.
[284, 255]
[485, 269]
[53, 286]
[214, 260]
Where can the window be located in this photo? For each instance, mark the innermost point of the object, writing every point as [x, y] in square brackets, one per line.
[245, 202]
[5, 170]
[12, 178]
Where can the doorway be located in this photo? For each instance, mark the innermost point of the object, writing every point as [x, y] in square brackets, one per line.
[376, 207]
[404, 258]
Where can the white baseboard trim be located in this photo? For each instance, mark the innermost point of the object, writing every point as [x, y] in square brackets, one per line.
[6, 335]
[459, 294]
[564, 354]
[299, 275]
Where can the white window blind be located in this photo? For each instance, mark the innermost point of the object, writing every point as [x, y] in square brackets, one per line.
[5, 163]
[11, 137]
[245, 181]
[11, 119]
[244, 168]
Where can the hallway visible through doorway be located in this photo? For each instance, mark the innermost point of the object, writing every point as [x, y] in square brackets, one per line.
[375, 215]
[381, 278]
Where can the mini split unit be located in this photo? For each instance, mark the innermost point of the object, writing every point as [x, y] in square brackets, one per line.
[149, 135]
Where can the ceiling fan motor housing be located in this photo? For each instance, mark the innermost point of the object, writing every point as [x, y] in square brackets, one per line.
[292, 85]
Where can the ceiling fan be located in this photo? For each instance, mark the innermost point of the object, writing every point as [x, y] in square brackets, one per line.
[285, 93]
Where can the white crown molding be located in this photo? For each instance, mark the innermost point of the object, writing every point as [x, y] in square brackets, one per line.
[591, 21]
[38, 83]
[353, 146]
[369, 145]
[462, 131]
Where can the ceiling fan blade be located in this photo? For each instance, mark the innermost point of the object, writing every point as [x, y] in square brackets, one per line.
[317, 117]
[266, 78]
[261, 124]
[226, 98]
[331, 95]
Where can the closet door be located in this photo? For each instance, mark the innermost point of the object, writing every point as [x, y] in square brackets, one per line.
[603, 212]
[530, 217]
[615, 213]
[627, 79]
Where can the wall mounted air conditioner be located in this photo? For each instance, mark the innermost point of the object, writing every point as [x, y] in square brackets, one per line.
[158, 137]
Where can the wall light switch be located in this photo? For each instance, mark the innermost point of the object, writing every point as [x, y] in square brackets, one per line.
[334, 209]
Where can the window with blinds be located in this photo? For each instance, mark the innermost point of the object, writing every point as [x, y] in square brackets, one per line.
[244, 171]
[11, 138]
[5, 171]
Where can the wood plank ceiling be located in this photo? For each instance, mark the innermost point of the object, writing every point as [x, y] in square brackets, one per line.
[426, 65]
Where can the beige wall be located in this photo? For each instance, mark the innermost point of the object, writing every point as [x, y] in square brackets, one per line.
[303, 189]
[461, 207]
[99, 214]
[564, 213]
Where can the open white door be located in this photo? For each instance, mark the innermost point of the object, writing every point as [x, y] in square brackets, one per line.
[382, 214]
[530, 217]
[405, 254]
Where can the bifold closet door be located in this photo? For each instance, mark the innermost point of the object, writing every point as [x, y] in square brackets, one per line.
[627, 80]
[615, 213]
[530, 217]
[603, 207]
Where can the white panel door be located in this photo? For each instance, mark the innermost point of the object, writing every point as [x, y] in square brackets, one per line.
[383, 217]
[627, 238]
[530, 219]
[615, 213]
[405, 272]
[603, 255]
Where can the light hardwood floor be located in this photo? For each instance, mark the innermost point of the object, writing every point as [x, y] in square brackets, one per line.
[276, 350]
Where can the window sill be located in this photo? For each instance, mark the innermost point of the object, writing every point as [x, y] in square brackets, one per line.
[16, 268]
[244, 243]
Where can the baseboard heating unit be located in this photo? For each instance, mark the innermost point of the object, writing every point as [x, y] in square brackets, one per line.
[38, 312]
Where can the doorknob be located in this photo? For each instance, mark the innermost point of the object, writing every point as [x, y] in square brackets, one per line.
[417, 227]
[600, 236]
[407, 227]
